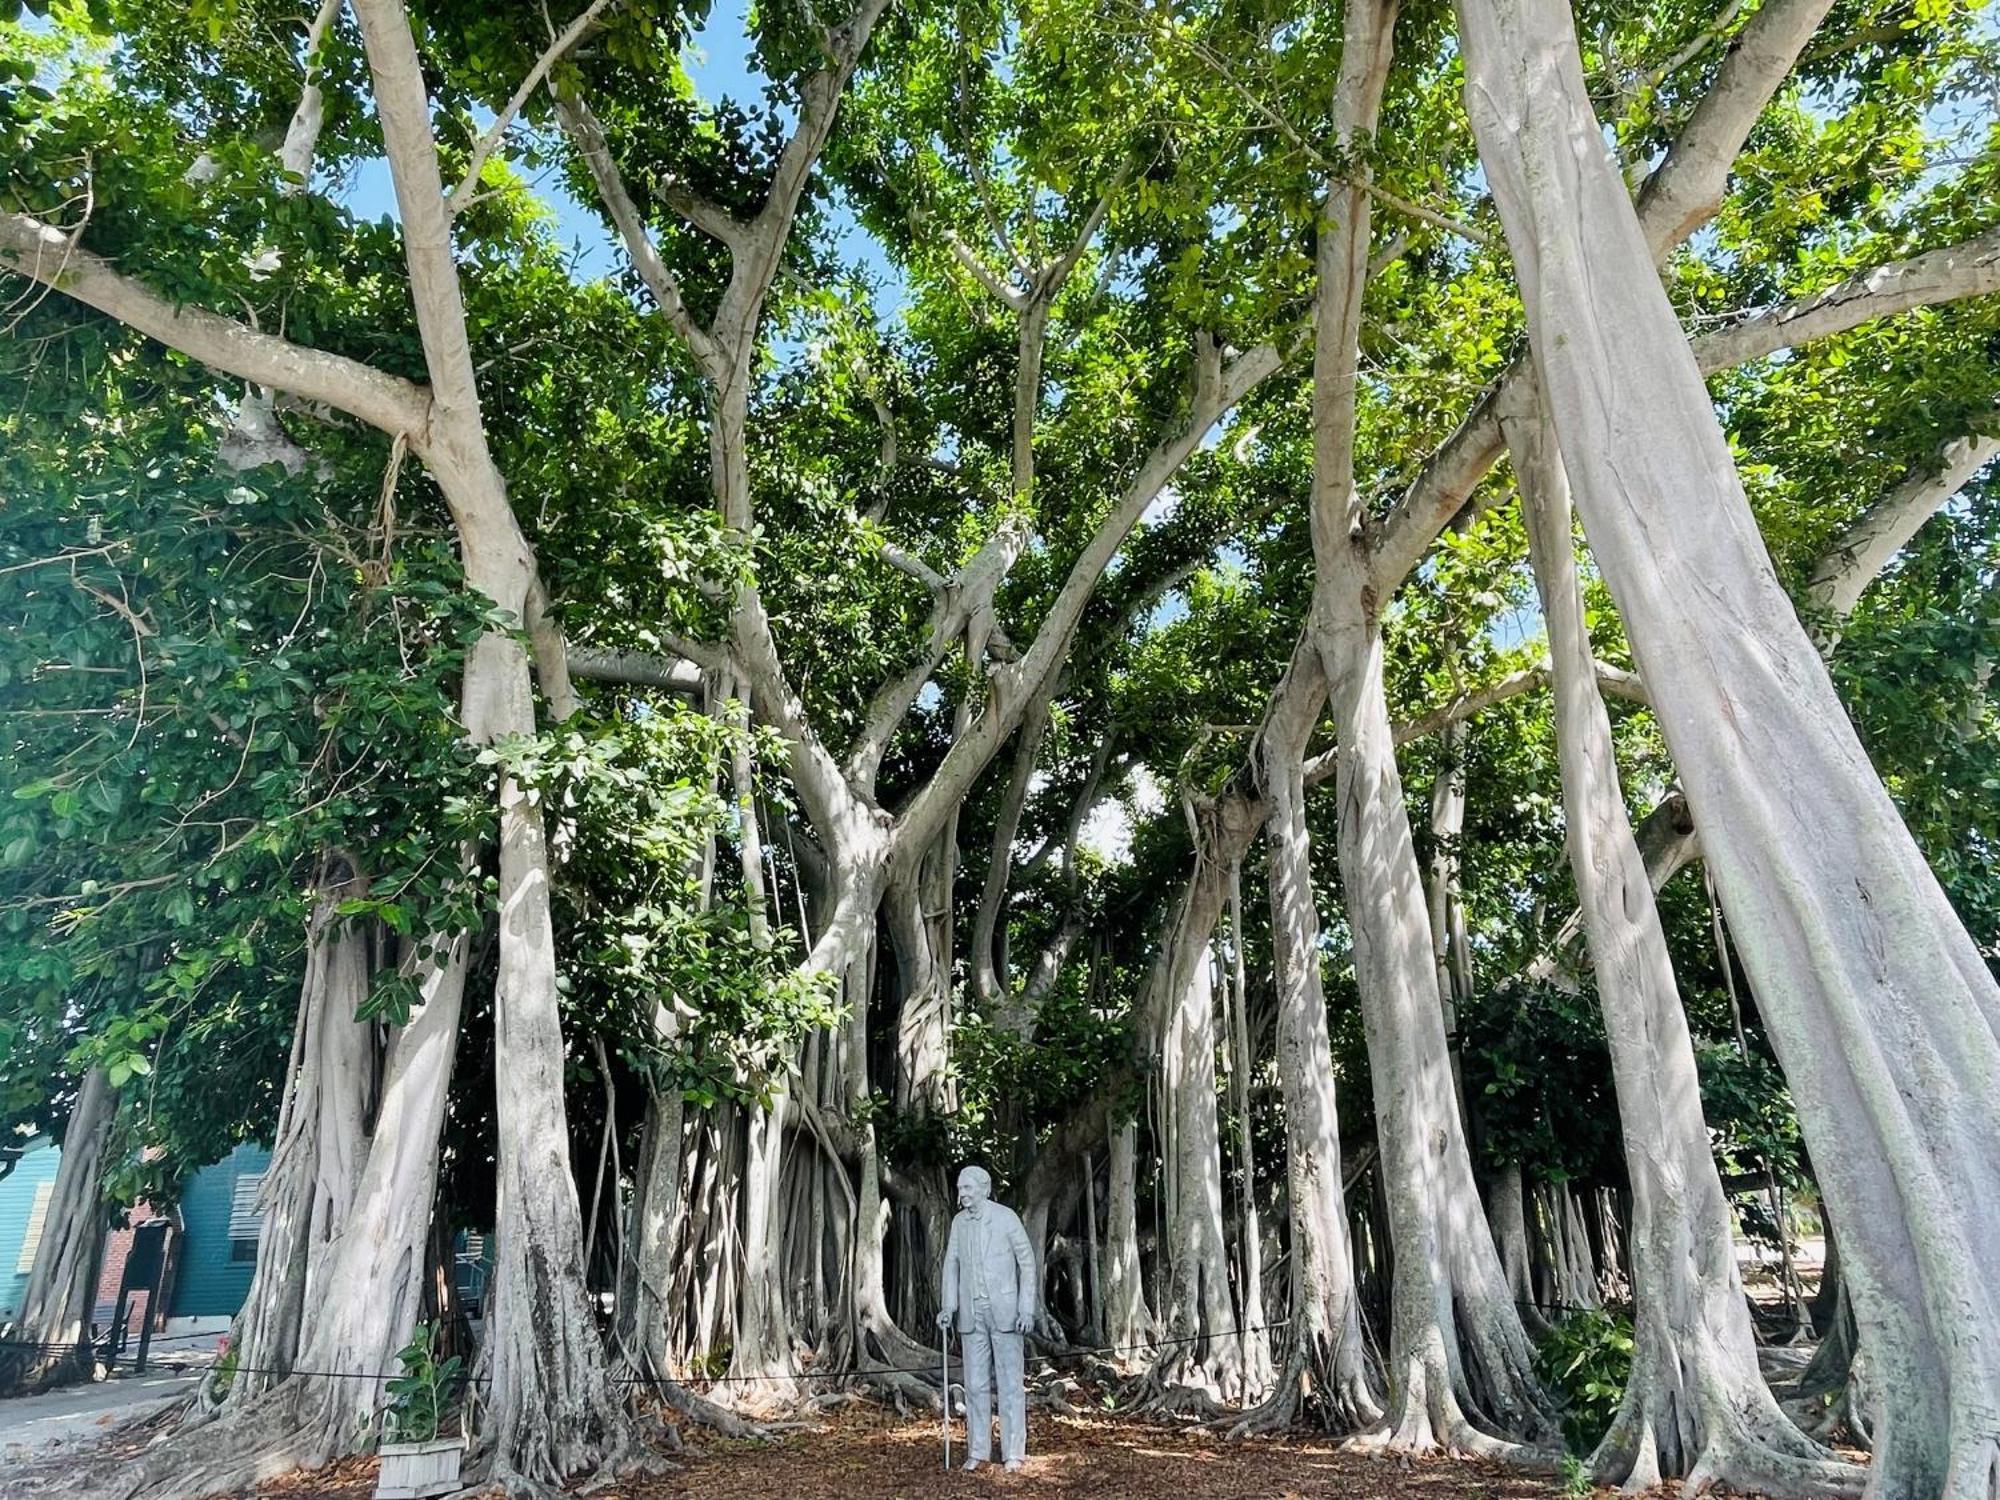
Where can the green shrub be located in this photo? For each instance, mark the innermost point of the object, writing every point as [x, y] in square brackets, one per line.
[1585, 1360]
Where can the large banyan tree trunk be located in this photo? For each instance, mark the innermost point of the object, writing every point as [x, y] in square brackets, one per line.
[1207, 1351]
[374, 1284]
[1696, 1405]
[321, 1145]
[1457, 1348]
[1458, 1352]
[551, 1410]
[1127, 1320]
[48, 1341]
[1882, 1012]
[1325, 1344]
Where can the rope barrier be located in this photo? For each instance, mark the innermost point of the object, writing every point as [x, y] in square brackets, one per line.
[1060, 1356]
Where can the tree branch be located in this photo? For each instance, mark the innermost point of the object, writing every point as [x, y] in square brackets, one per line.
[302, 134]
[1218, 388]
[482, 149]
[581, 126]
[1968, 269]
[754, 264]
[676, 674]
[43, 253]
[1864, 548]
[1682, 195]
[963, 602]
[984, 274]
[1685, 191]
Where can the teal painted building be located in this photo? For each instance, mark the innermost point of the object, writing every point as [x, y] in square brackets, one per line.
[219, 1227]
[218, 1244]
[24, 1196]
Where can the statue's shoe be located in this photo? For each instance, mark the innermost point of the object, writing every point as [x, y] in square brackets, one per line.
[971, 1464]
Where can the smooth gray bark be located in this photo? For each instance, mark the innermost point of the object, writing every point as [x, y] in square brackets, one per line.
[1881, 1010]
[1457, 1348]
[1695, 1406]
[1128, 1322]
[54, 1314]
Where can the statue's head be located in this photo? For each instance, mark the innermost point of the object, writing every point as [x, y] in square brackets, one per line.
[974, 1187]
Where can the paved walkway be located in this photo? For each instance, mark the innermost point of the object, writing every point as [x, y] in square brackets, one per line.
[28, 1423]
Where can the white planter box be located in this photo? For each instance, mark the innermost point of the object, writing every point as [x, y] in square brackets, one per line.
[415, 1471]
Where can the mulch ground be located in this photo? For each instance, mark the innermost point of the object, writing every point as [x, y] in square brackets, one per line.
[867, 1451]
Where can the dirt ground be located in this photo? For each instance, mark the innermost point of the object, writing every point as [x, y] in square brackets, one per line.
[870, 1452]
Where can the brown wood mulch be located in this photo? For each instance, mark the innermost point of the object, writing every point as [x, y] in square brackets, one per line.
[867, 1451]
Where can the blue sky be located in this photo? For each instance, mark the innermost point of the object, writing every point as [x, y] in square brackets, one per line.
[719, 59]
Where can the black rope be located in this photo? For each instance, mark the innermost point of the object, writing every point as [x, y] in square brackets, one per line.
[1067, 1355]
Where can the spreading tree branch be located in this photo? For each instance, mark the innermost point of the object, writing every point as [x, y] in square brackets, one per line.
[1682, 195]
[44, 254]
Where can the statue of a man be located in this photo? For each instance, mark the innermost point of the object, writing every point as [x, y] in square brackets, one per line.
[989, 1278]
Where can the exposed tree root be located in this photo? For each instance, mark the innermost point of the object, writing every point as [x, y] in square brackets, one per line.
[1339, 1405]
[1711, 1433]
[1054, 1393]
[1425, 1416]
[677, 1397]
[899, 1386]
[285, 1430]
[1165, 1402]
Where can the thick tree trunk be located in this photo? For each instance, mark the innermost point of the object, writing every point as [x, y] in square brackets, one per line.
[923, 1016]
[1207, 1351]
[551, 1411]
[1457, 1347]
[1326, 1346]
[321, 1147]
[653, 1235]
[1128, 1323]
[1451, 946]
[1696, 1406]
[54, 1316]
[1506, 1212]
[373, 1288]
[1880, 1007]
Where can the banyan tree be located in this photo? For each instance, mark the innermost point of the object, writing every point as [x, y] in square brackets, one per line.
[1352, 641]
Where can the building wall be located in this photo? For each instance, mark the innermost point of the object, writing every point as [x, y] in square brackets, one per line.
[17, 1201]
[210, 1283]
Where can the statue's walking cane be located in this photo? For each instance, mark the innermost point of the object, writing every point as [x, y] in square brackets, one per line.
[944, 1344]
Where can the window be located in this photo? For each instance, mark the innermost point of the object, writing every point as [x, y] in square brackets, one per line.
[246, 1217]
